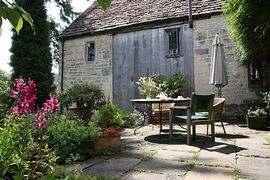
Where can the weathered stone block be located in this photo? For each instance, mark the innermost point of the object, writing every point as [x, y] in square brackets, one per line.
[201, 51]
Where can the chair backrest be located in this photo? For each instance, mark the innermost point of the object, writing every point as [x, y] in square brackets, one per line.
[218, 107]
[202, 103]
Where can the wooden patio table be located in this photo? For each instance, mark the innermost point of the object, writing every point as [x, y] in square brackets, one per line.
[160, 102]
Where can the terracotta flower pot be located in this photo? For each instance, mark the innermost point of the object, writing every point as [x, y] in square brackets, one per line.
[259, 122]
[109, 140]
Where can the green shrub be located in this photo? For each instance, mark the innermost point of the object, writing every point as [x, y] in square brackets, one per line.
[175, 85]
[266, 99]
[74, 136]
[83, 95]
[172, 87]
[160, 80]
[21, 156]
[109, 115]
[16, 141]
[5, 100]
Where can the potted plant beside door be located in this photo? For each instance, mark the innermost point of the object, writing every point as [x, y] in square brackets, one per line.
[80, 99]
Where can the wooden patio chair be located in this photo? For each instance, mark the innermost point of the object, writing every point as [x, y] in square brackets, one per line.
[218, 109]
[199, 103]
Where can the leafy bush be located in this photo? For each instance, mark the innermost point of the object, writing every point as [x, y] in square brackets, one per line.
[173, 87]
[5, 101]
[109, 115]
[251, 34]
[83, 95]
[161, 84]
[16, 140]
[266, 99]
[69, 135]
[21, 156]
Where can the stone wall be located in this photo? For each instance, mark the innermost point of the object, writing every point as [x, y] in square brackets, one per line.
[237, 92]
[78, 70]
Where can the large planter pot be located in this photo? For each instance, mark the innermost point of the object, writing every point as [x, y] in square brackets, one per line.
[107, 142]
[256, 122]
[110, 140]
[84, 113]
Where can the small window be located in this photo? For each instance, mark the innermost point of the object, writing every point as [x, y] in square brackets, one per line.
[253, 76]
[173, 36]
[90, 52]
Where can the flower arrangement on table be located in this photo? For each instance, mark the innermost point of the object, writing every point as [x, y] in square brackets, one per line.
[146, 86]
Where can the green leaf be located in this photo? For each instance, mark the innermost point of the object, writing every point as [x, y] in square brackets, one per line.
[104, 3]
[4, 171]
[26, 16]
[3, 9]
[15, 19]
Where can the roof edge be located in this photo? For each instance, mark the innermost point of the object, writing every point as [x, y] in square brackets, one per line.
[139, 26]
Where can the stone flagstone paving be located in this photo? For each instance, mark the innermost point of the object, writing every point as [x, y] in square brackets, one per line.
[241, 154]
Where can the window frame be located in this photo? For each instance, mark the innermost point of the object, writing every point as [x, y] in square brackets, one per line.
[87, 45]
[168, 43]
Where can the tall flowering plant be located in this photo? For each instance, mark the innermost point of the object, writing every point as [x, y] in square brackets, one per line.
[25, 95]
[146, 86]
[42, 116]
[23, 149]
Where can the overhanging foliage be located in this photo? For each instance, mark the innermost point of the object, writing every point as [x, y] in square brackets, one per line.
[250, 22]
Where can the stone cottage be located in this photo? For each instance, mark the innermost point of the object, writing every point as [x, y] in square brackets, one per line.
[134, 38]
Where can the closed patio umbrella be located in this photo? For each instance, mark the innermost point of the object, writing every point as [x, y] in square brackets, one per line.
[218, 71]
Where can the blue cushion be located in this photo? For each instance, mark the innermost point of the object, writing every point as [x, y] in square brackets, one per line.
[193, 117]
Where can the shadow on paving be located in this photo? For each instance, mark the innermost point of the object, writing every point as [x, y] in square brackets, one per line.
[231, 136]
[200, 142]
[177, 139]
[222, 147]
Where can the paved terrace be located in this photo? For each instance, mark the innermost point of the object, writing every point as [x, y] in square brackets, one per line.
[241, 154]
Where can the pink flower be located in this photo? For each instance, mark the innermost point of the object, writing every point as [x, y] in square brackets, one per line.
[16, 82]
[14, 111]
[13, 93]
[48, 107]
[25, 94]
[35, 122]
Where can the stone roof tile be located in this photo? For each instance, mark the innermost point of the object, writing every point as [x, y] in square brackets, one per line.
[123, 13]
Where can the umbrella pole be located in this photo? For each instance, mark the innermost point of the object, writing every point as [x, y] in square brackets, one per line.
[219, 92]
